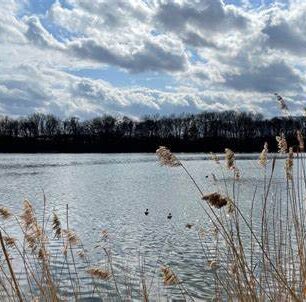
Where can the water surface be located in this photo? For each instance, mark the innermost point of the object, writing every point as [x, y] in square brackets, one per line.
[111, 192]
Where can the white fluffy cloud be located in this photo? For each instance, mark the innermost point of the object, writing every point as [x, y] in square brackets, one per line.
[219, 56]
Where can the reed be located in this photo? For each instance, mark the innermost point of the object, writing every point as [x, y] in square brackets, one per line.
[247, 261]
[258, 264]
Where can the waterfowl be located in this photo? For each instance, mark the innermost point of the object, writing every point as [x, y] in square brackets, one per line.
[146, 212]
[189, 225]
[169, 216]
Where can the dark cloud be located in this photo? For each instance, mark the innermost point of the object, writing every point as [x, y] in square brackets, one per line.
[21, 96]
[196, 40]
[276, 76]
[285, 36]
[151, 57]
[206, 15]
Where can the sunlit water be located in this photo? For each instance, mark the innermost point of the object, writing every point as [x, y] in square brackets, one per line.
[111, 192]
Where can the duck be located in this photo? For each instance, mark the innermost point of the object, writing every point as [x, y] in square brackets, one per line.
[169, 216]
[189, 225]
[146, 212]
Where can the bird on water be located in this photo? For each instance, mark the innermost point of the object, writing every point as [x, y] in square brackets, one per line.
[169, 216]
[146, 212]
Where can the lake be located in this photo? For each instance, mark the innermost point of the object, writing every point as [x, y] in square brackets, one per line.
[111, 192]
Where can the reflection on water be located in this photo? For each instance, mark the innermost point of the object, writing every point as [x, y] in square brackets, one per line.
[111, 192]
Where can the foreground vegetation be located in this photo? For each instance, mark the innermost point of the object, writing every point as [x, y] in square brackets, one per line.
[247, 262]
[255, 249]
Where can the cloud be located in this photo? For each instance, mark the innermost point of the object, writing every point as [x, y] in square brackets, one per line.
[219, 56]
[152, 56]
[38, 35]
[205, 15]
[285, 30]
[274, 77]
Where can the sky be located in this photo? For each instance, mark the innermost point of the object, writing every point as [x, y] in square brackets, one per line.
[142, 57]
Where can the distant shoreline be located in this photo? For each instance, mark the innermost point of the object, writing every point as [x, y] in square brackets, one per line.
[204, 132]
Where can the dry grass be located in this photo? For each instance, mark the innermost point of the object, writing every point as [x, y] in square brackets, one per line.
[248, 261]
[265, 264]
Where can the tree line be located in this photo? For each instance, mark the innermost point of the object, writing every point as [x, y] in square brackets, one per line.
[203, 132]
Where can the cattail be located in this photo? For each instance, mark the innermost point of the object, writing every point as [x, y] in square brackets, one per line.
[300, 139]
[289, 164]
[282, 143]
[230, 159]
[214, 157]
[282, 103]
[263, 157]
[169, 276]
[5, 213]
[216, 200]
[9, 241]
[56, 225]
[99, 273]
[167, 158]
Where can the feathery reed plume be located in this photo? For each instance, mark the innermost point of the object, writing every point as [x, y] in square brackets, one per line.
[216, 200]
[9, 241]
[34, 232]
[56, 225]
[169, 276]
[27, 215]
[230, 159]
[202, 233]
[230, 206]
[11, 270]
[5, 213]
[71, 237]
[167, 158]
[99, 273]
[263, 157]
[300, 139]
[81, 254]
[215, 158]
[31, 241]
[104, 234]
[237, 174]
[282, 143]
[289, 164]
[213, 264]
[42, 254]
[282, 103]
